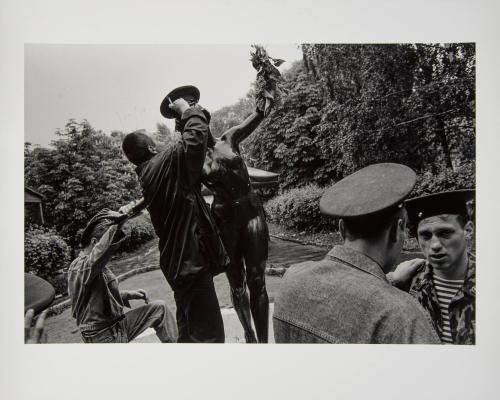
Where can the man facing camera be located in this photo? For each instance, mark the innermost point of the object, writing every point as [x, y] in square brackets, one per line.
[96, 301]
[346, 297]
[445, 282]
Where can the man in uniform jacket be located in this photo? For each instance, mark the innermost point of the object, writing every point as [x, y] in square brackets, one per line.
[445, 282]
[346, 297]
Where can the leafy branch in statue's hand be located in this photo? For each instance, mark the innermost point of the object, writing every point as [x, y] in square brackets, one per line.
[268, 86]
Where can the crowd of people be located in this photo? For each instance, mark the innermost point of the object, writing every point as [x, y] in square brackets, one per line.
[353, 295]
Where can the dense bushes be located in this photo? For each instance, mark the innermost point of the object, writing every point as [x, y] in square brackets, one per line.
[139, 231]
[60, 283]
[462, 177]
[299, 209]
[45, 254]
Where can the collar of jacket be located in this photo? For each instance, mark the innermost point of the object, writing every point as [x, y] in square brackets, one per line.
[357, 260]
[468, 288]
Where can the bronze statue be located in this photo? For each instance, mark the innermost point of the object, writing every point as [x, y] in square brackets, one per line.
[239, 215]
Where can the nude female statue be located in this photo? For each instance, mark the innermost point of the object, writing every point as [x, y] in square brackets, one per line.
[239, 215]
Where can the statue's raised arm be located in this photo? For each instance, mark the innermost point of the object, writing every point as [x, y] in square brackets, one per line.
[238, 210]
[235, 135]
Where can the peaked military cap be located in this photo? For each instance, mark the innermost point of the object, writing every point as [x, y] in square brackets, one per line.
[38, 293]
[452, 202]
[181, 91]
[370, 190]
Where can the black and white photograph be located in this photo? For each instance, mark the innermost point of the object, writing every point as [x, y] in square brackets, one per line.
[330, 202]
[261, 201]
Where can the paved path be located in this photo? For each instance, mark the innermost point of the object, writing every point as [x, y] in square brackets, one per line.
[232, 328]
[280, 252]
[286, 252]
[62, 329]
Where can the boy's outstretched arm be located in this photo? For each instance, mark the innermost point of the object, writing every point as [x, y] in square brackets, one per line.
[133, 208]
[106, 246]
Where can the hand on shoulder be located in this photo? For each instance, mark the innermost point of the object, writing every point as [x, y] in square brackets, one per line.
[405, 271]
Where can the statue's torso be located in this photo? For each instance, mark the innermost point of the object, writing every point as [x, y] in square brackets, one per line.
[225, 173]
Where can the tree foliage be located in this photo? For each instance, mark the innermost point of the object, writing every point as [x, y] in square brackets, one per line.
[82, 172]
[352, 105]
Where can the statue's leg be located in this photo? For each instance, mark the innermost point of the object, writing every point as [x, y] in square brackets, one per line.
[255, 250]
[239, 298]
[236, 277]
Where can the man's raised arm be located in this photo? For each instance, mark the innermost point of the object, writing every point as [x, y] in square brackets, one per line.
[194, 141]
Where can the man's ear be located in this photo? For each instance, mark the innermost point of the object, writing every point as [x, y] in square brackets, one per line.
[342, 228]
[152, 149]
[93, 241]
[469, 230]
[397, 227]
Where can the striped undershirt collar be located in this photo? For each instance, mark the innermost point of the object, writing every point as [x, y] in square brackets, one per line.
[448, 281]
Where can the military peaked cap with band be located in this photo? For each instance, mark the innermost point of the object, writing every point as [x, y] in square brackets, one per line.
[370, 190]
[182, 91]
[453, 202]
[38, 293]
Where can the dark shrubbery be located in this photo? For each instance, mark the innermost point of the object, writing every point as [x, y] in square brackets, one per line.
[463, 177]
[45, 254]
[139, 231]
[60, 283]
[299, 209]
[267, 193]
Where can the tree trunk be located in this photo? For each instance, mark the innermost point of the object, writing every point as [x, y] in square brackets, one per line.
[444, 142]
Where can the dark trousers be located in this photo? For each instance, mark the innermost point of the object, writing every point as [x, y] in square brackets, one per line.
[198, 313]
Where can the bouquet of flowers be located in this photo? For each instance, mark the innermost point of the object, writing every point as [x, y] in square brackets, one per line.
[269, 84]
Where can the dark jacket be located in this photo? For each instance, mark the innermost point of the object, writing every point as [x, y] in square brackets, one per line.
[346, 298]
[462, 308]
[189, 242]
